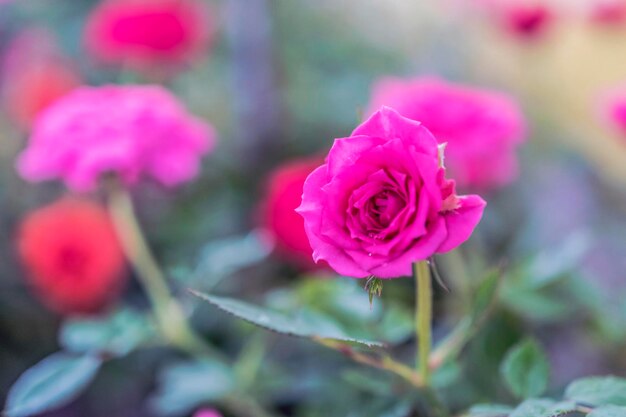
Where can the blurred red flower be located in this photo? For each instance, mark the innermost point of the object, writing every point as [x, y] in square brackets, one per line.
[73, 258]
[143, 33]
[283, 195]
[34, 75]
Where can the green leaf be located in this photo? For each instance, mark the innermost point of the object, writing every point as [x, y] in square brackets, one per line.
[51, 383]
[223, 257]
[549, 265]
[277, 322]
[489, 410]
[485, 295]
[525, 369]
[185, 386]
[598, 391]
[446, 375]
[608, 411]
[117, 334]
[533, 408]
[535, 305]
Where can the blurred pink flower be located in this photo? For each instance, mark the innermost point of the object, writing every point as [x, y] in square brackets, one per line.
[141, 34]
[127, 130]
[527, 20]
[481, 127]
[381, 200]
[207, 413]
[524, 19]
[34, 74]
[613, 109]
[608, 11]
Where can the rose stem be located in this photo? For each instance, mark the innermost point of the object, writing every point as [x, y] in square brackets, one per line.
[168, 313]
[423, 317]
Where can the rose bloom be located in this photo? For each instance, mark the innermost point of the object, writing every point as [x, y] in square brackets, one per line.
[73, 259]
[283, 195]
[127, 130]
[34, 74]
[143, 34]
[482, 128]
[381, 200]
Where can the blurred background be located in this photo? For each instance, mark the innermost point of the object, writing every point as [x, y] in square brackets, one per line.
[279, 80]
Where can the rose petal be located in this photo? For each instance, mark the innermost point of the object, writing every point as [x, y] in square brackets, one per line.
[388, 123]
[461, 222]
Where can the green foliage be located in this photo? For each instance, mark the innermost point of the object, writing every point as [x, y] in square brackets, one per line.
[185, 386]
[278, 322]
[117, 334]
[590, 397]
[539, 289]
[598, 391]
[489, 410]
[525, 369]
[608, 411]
[485, 295]
[534, 408]
[51, 383]
[221, 258]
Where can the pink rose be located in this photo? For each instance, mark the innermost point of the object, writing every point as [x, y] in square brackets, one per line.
[143, 34]
[381, 201]
[132, 131]
[613, 109]
[482, 128]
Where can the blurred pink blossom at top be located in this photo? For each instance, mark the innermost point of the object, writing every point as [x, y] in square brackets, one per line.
[482, 128]
[127, 130]
[524, 19]
[142, 33]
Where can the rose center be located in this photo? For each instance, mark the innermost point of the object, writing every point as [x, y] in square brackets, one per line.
[384, 207]
[72, 261]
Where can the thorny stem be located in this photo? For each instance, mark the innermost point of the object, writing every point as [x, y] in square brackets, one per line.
[169, 314]
[423, 317]
[383, 362]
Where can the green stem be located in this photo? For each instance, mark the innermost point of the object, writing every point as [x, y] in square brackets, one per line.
[168, 313]
[384, 362]
[423, 317]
